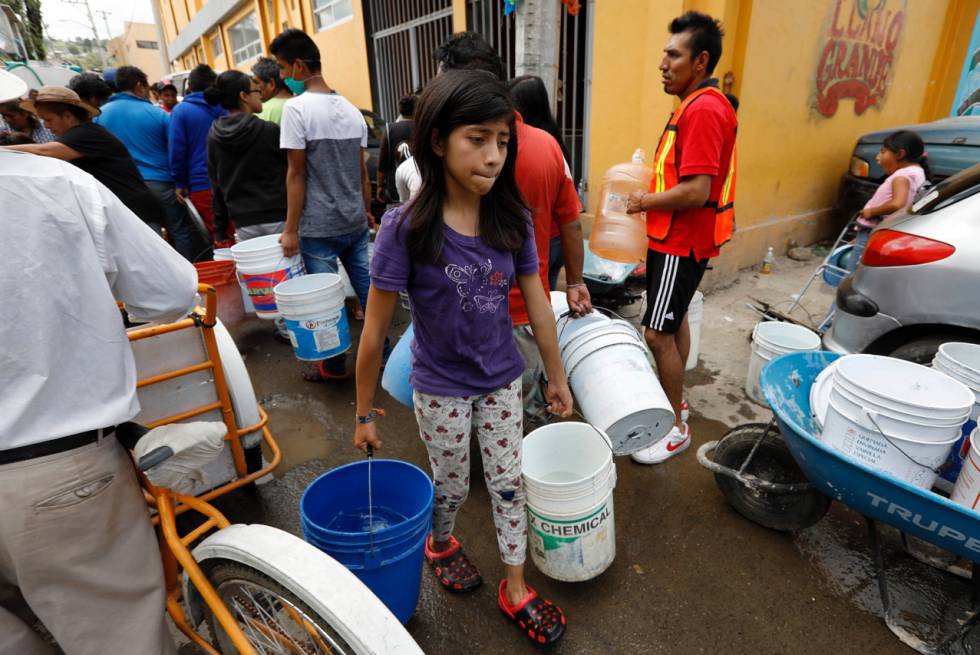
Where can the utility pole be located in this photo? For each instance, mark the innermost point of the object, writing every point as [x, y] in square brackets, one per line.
[95, 31]
[536, 47]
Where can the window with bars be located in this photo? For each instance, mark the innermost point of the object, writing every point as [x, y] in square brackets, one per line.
[148, 45]
[217, 47]
[246, 39]
[327, 13]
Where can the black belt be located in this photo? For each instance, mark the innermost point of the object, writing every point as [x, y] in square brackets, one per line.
[54, 446]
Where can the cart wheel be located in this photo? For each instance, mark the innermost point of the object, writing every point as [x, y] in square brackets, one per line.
[771, 462]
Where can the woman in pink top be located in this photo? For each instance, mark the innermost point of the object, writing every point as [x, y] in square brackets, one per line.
[903, 158]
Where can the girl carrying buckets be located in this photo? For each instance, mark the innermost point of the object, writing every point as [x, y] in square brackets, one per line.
[457, 248]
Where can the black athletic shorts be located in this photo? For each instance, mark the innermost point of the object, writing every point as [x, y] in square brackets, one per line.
[671, 283]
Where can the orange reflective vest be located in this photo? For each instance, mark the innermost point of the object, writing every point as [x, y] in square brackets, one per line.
[666, 168]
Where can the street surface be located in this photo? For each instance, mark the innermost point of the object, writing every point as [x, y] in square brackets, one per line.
[690, 576]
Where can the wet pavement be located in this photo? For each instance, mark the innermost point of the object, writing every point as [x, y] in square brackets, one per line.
[690, 575]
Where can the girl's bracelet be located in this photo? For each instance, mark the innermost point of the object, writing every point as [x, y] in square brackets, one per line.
[574, 286]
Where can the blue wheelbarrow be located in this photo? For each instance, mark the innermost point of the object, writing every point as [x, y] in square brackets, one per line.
[782, 477]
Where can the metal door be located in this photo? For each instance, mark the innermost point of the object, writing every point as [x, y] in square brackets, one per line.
[403, 34]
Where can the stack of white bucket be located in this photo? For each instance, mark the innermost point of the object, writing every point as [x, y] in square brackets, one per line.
[613, 381]
[262, 265]
[569, 477]
[313, 308]
[894, 416]
[770, 339]
[695, 315]
[961, 361]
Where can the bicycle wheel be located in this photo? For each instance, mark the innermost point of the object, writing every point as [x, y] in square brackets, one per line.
[273, 618]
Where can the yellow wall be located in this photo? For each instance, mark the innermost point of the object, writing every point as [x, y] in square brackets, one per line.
[790, 156]
[124, 49]
[343, 54]
[629, 107]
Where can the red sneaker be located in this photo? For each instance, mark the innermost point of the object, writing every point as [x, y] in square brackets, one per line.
[541, 620]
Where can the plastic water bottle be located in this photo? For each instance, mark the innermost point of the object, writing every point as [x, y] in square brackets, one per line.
[768, 261]
[617, 235]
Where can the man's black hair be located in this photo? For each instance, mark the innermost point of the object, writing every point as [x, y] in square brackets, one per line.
[406, 105]
[201, 78]
[267, 70]
[469, 51]
[705, 36]
[90, 86]
[127, 77]
[295, 44]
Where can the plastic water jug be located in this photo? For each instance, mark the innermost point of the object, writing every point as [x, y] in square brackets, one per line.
[617, 235]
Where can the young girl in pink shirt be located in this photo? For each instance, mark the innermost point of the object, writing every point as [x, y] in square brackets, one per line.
[903, 158]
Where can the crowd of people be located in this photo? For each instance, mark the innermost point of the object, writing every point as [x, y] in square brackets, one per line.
[483, 215]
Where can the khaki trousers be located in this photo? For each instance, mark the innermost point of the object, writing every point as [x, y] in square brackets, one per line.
[76, 546]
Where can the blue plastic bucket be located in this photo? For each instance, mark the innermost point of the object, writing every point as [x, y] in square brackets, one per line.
[398, 370]
[388, 560]
[840, 258]
[313, 308]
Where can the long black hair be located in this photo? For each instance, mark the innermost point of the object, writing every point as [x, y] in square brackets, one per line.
[531, 98]
[911, 143]
[229, 86]
[454, 99]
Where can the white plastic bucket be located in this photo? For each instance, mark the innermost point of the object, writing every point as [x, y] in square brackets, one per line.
[770, 339]
[960, 361]
[895, 416]
[967, 489]
[569, 477]
[313, 308]
[559, 303]
[224, 255]
[615, 385]
[695, 314]
[261, 266]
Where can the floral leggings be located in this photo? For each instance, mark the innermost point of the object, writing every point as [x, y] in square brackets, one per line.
[445, 425]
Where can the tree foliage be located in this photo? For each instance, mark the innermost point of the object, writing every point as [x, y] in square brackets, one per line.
[29, 12]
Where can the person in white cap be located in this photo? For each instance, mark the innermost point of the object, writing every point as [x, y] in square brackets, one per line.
[77, 549]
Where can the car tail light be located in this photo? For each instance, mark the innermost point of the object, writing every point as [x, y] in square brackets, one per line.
[859, 167]
[893, 248]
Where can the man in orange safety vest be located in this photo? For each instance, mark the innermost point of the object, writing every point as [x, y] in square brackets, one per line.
[689, 208]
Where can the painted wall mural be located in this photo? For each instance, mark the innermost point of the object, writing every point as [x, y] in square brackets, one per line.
[967, 100]
[858, 54]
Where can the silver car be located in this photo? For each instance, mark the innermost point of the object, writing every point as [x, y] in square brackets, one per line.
[918, 284]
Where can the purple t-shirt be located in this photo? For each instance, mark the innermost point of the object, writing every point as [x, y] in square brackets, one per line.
[463, 343]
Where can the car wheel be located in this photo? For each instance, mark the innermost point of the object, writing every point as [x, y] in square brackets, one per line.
[921, 351]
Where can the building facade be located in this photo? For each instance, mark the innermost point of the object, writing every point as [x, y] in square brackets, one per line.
[139, 45]
[811, 75]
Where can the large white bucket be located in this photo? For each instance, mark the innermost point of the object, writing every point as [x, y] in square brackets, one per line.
[313, 308]
[569, 477]
[967, 489]
[695, 315]
[559, 303]
[770, 339]
[894, 416]
[224, 255]
[960, 361]
[261, 266]
[615, 385]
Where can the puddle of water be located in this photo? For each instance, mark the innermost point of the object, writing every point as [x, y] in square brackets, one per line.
[928, 601]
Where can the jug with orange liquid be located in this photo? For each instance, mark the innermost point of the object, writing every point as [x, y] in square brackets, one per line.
[617, 235]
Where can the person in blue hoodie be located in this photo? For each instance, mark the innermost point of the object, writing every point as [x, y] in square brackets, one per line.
[190, 122]
[142, 127]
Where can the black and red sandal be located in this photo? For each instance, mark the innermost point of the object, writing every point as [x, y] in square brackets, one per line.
[541, 620]
[453, 568]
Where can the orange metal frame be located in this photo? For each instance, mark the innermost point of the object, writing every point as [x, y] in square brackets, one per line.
[174, 548]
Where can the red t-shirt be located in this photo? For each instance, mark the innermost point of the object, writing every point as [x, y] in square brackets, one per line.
[705, 138]
[547, 187]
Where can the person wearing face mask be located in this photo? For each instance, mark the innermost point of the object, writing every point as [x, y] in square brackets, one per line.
[328, 189]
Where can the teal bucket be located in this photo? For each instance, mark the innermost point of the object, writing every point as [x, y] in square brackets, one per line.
[388, 559]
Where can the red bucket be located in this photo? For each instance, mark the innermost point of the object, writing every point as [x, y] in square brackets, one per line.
[221, 276]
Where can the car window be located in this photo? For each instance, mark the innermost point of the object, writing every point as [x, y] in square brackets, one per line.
[376, 127]
[949, 159]
[951, 190]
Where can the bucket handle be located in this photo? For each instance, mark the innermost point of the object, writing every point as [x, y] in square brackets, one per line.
[568, 313]
[871, 417]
